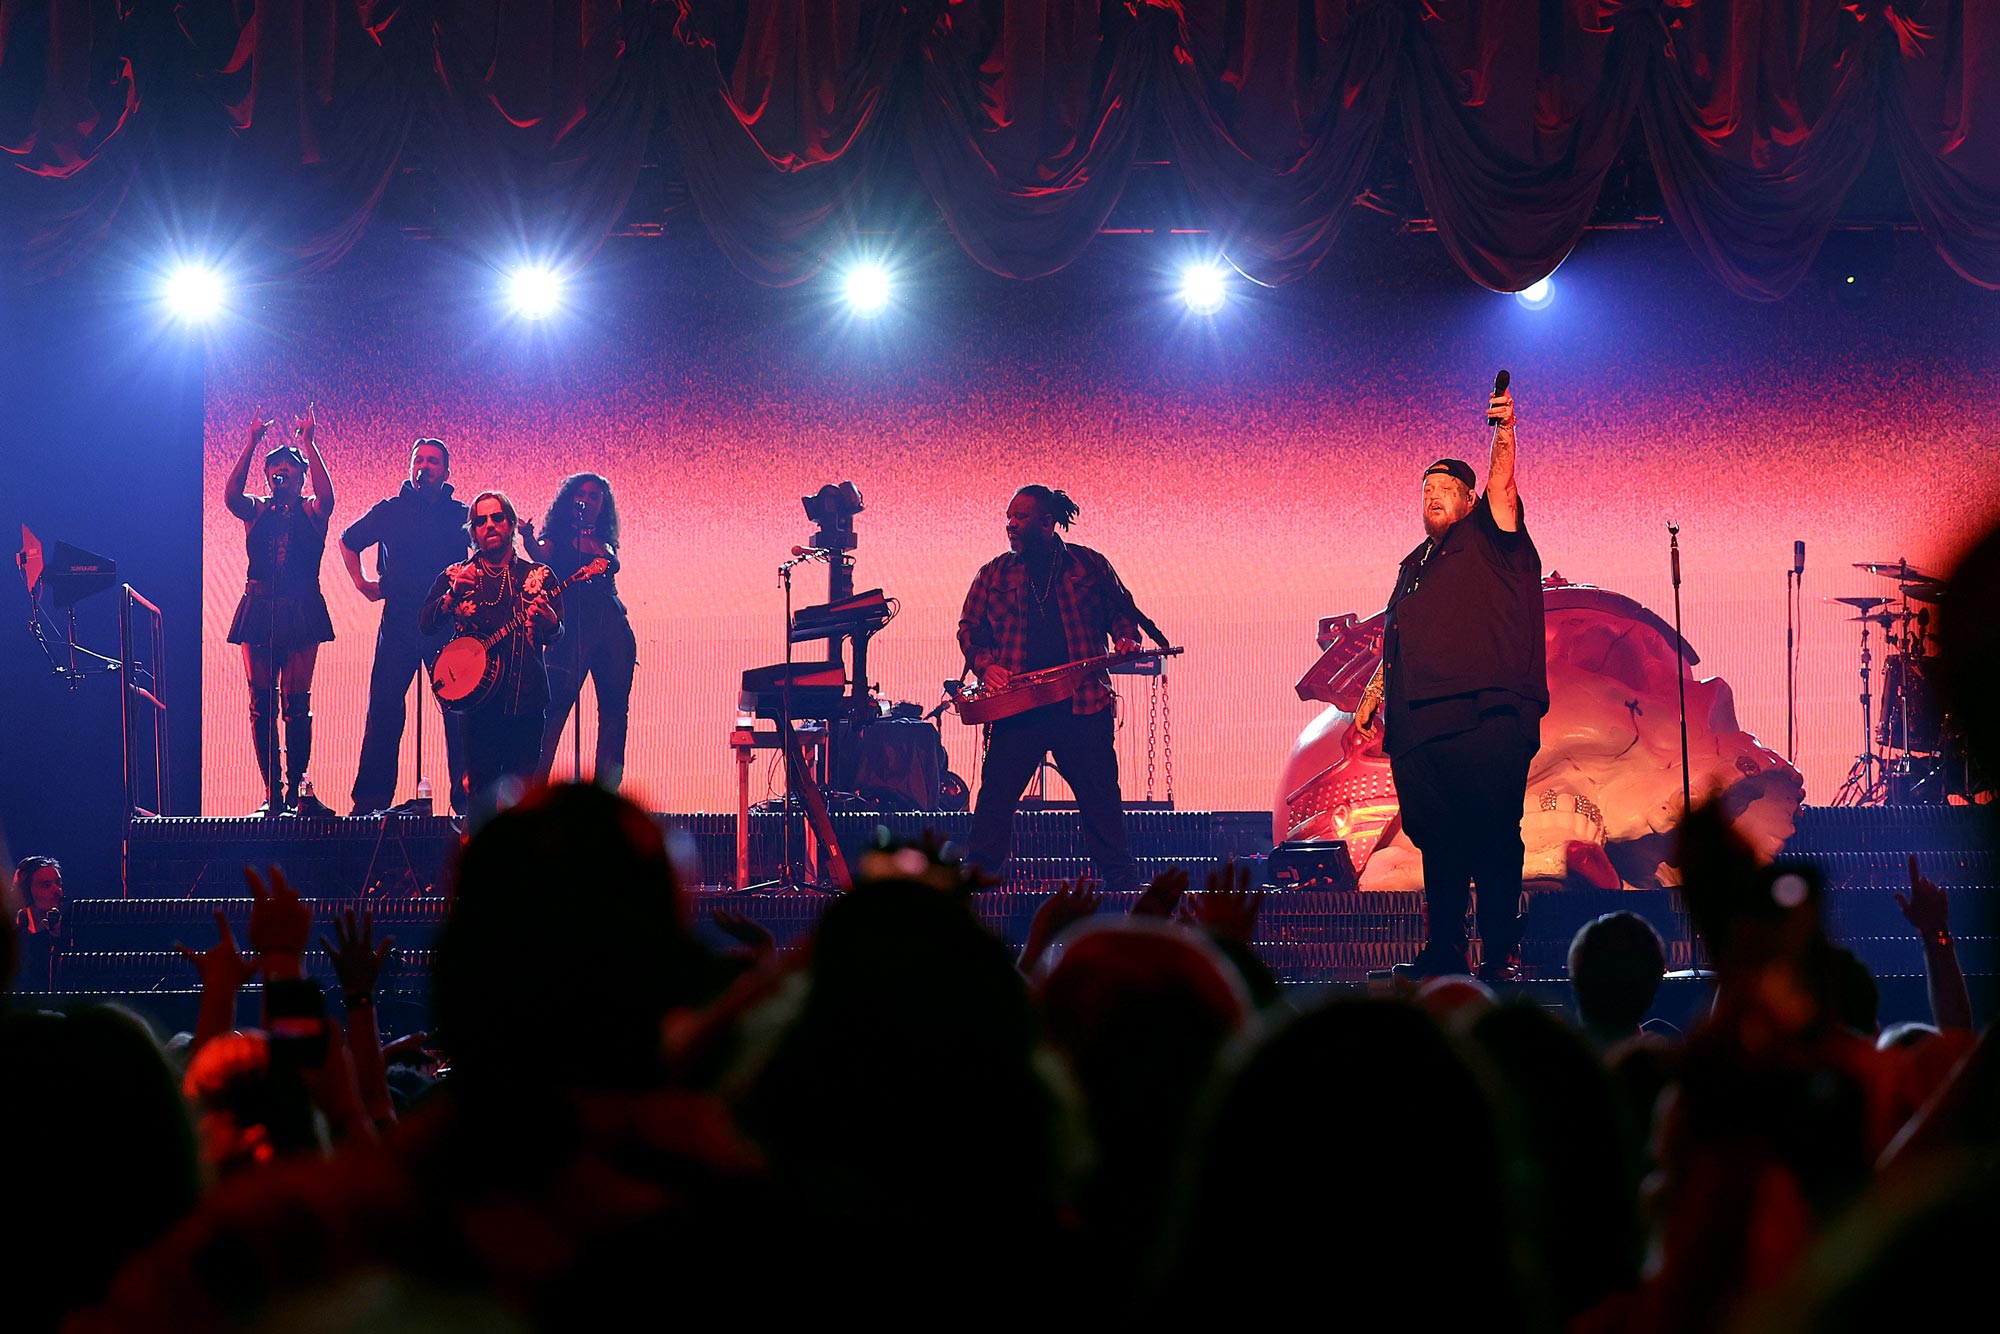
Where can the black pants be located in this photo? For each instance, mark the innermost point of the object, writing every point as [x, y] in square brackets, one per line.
[1082, 746]
[597, 644]
[400, 653]
[1461, 799]
[500, 745]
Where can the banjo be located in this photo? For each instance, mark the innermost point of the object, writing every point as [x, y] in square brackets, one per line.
[1049, 685]
[467, 670]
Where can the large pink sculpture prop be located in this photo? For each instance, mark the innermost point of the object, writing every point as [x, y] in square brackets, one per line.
[1604, 792]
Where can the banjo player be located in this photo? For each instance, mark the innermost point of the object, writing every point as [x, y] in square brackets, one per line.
[496, 588]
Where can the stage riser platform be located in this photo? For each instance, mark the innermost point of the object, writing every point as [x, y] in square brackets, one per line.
[183, 857]
[183, 870]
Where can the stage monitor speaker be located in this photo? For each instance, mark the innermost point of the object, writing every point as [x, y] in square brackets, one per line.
[1311, 863]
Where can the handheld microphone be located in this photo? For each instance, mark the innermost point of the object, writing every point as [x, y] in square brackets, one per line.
[1799, 556]
[1500, 383]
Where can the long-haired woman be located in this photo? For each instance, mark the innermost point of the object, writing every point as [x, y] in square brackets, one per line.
[582, 525]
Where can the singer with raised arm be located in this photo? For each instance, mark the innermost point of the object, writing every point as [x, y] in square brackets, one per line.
[1042, 603]
[282, 618]
[1459, 698]
[514, 607]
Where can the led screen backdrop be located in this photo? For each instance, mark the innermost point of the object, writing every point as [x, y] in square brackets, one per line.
[1247, 474]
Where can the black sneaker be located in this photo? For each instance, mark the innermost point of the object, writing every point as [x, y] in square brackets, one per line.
[1504, 972]
[1434, 961]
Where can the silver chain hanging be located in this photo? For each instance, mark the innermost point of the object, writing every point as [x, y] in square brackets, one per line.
[1167, 733]
[1152, 730]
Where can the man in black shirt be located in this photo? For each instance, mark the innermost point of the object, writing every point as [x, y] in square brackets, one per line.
[417, 532]
[1461, 693]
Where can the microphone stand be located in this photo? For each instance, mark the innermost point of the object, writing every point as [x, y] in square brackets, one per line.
[576, 741]
[1680, 684]
[1795, 581]
[788, 877]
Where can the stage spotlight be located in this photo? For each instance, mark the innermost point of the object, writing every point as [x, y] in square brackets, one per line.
[534, 291]
[1204, 288]
[1537, 294]
[866, 287]
[193, 292]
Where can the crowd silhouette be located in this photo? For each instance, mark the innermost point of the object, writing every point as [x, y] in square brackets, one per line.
[898, 1119]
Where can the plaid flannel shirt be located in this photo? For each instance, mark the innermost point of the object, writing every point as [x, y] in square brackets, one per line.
[993, 626]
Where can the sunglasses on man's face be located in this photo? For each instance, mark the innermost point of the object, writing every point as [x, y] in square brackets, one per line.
[485, 519]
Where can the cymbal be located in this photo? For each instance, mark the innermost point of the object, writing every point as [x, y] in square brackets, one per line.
[1895, 569]
[1866, 604]
[1924, 590]
[1886, 619]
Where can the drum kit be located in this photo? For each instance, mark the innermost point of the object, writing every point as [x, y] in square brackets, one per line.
[1910, 754]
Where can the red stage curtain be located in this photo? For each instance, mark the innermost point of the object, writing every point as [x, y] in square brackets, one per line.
[287, 119]
[69, 113]
[776, 144]
[1759, 115]
[1274, 108]
[1022, 142]
[1942, 114]
[1514, 113]
[541, 112]
[318, 97]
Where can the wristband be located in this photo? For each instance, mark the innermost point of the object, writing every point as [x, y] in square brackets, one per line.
[358, 1002]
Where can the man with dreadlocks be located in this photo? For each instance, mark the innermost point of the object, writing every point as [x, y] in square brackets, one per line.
[1040, 604]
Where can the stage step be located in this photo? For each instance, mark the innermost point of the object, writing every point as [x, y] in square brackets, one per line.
[198, 856]
[184, 870]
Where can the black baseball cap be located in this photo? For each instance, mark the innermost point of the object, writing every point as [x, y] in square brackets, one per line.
[1458, 468]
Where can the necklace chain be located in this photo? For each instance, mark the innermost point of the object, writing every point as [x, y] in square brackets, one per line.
[1049, 585]
[506, 583]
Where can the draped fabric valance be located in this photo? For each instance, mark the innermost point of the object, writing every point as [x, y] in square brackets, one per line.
[287, 120]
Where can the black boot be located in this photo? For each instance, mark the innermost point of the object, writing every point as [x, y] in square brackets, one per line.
[264, 740]
[298, 757]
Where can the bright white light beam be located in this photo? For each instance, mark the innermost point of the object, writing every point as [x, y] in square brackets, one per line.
[534, 291]
[1536, 294]
[867, 289]
[193, 292]
[1204, 288]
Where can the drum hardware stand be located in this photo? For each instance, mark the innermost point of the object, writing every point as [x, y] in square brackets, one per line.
[1863, 785]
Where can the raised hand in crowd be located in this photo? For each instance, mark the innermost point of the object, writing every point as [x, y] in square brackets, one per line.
[337, 1087]
[280, 924]
[1928, 909]
[1226, 906]
[758, 943]
[358, 962]
[1162, 896]
[223, 971]
[1072, 902]
[1925, 907]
